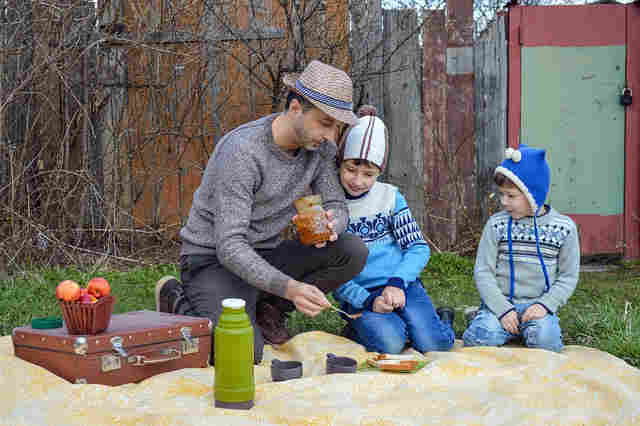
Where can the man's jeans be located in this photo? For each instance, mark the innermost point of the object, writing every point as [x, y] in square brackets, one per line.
[486, 330]
[417, 322]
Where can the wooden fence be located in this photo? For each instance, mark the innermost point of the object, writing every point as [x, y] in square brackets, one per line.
[139, 165]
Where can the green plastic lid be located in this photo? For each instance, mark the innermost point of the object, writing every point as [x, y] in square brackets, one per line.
[48, 322]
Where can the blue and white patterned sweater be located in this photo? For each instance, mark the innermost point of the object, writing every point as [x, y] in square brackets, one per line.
[560, 248]
[397, 248]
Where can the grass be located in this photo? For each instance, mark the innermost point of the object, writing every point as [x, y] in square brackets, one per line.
[603, 313]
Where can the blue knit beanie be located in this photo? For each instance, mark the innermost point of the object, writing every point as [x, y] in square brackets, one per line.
[527, 168]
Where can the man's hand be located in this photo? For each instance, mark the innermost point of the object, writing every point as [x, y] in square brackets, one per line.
[381, 306]
[510, 322]
[534, 312]
[307, 298]
[331, 225]
[394, 296]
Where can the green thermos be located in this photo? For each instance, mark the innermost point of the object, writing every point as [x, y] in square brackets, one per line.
[233, 355]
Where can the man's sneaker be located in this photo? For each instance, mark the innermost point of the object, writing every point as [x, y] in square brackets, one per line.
[470, 313]
[168, 290]
[272, 323]
[446, 315]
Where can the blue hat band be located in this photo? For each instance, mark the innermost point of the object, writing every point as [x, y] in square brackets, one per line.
[320, 97]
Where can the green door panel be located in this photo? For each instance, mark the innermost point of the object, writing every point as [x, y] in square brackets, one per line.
[570, 108]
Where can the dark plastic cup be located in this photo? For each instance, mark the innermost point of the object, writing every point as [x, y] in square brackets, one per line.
[285, 370]
[340, 364]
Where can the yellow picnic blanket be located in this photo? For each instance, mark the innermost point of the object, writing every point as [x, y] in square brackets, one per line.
[467, 386]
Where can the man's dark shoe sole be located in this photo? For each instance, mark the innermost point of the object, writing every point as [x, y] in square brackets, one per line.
[164, 289]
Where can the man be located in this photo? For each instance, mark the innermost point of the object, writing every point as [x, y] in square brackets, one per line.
[232, 243]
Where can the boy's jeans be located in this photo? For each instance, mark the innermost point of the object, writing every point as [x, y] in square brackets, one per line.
[417, 321]
[486, 330]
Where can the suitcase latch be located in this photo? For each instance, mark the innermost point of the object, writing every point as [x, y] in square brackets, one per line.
[80, 345]
[110, 362]
[116, 343]
[191, 344]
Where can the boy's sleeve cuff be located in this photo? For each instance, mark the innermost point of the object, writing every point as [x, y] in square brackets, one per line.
[396, 282]
[502, 316]
[545, 306]
[368, 303]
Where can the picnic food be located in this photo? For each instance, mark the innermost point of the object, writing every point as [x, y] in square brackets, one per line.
[312, 220]
[68, 290]
[86, 297]
[398, 363]
[86, 310]
[98, 287]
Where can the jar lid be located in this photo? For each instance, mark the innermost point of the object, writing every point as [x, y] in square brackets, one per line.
[46, 323]
[307, 202]
[233, 303]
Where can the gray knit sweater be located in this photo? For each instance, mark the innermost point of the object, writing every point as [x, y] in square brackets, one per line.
[559, 245]
[245, 200]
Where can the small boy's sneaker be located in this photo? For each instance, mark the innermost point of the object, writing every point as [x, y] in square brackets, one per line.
[446, 315]
[349, 332]
[168, 292]
[470, 313]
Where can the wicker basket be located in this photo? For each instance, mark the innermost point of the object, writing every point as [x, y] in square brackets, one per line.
[87, 318]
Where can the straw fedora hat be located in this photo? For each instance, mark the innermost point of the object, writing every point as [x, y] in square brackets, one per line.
[326, 87]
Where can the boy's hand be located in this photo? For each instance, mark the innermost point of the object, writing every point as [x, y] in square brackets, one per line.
[534, 312]
[381, 306]
[307, 298]
[510, 322]
[394, 296]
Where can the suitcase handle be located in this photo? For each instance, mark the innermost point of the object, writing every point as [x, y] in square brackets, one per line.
[165, 355]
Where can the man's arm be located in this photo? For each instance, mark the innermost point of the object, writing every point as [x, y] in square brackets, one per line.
[233, 201]
[233, 180]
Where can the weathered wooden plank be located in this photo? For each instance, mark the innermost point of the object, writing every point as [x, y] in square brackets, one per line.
[367, 53]
[438, 224]
[490, 69]
[402, 106]
[460, 114]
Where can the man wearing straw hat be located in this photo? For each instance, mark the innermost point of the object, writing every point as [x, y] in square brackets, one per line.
[232, 241]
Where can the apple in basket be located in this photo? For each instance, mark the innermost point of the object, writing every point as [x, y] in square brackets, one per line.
[68, 290]
[86, 297]
[98, 287]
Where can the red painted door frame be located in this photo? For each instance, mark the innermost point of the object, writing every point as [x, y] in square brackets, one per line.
[574, 26]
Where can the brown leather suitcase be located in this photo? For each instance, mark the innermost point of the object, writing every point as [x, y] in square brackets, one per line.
[135, 346]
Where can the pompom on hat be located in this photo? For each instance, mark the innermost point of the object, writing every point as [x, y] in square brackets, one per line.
[327, 88]
[528, 169]
[367, 140]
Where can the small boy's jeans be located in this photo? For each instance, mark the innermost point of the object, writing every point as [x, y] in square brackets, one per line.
[417, 322]
[486, 330]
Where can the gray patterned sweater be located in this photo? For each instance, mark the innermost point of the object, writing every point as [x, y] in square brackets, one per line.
[245, 200]
[559, 245]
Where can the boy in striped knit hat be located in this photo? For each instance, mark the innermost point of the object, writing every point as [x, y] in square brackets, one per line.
[388, 293]
[528, 259]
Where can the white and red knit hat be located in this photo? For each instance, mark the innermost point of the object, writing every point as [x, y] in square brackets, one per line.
[367, 140]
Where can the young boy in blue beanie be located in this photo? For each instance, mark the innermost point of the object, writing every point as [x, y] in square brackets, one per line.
[528, 259]
[393, 305]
